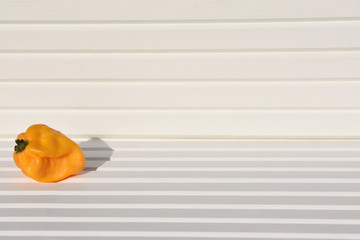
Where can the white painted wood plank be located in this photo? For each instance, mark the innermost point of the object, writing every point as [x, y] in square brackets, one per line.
[180, 66]
[212, 165]
[320, 94]
[92, 145]
[189, 123]
[31, 185]
[203, 158]
[177, 235]
[176, 10]
[93, 176]
[184, 37]
[171, 227]
[184, 200]
[191, 180]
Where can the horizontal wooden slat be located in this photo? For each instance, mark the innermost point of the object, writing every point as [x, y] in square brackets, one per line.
[181, 227]
[309, 200]
[232, 168]
[176, 235]
[180, 193]
[189, 123]
[93, 145]
[230, 66]
[195, 180]
[181, 10]
[201, 157]
[191, 213]
[232, 187]
[212, 165]
[181, 95]
[181, 37]
[193, 175]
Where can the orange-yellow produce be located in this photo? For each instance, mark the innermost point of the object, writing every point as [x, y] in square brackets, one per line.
[47, 155]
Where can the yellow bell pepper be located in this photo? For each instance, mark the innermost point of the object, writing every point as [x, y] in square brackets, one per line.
[47, 155]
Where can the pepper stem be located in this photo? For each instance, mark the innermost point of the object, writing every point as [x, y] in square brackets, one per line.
[20, 145]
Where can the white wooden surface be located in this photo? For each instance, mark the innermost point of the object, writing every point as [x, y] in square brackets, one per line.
[194, 123]
[190, 189]
[188, 69]
[229, 36]
[176, 10]
[169, 88]
[180, 95]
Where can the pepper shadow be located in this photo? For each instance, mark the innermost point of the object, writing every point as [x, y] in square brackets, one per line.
[97, 152]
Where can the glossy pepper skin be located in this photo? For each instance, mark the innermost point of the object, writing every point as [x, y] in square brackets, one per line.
[47, 155]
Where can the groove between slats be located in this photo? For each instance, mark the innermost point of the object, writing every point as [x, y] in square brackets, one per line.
[6, 161]
[95, 109]
[194, 21]
[179, 193]
[179, 206]
[219, 169]
[192, 180]
[176, 80]
[184, 220]
[232, 235]
[7, 158]
[188, 51]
